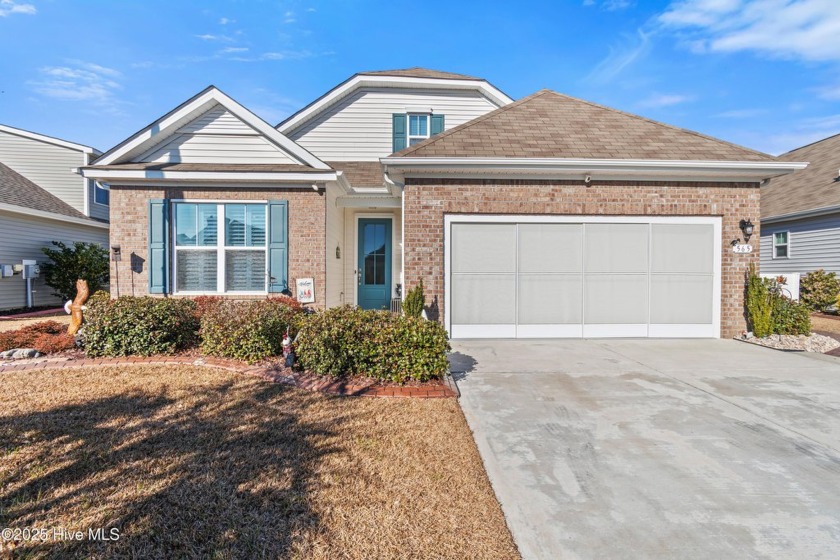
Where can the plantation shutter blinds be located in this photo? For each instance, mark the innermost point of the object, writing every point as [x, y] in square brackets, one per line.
[278, 245]
[399, 127]
[158, 265]
[437, 124]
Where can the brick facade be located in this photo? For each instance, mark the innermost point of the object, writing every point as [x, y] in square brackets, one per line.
[130, 228]
[428, 200]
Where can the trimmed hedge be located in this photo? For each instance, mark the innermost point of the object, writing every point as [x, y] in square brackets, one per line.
[139, 326]
[46, 337]
[770, 312]
[819, 289]
[250, 331]
[380, 344]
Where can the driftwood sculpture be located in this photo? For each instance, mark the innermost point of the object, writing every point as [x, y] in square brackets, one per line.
[82, 293]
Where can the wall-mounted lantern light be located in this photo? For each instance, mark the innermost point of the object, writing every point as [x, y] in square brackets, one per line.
[748, 228]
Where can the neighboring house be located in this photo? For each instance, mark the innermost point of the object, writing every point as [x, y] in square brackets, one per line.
[800, 214]
[545, 217]
[44, 199]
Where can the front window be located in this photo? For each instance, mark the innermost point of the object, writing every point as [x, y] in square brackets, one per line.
[780, 244]
[418, 128]
[213, 259]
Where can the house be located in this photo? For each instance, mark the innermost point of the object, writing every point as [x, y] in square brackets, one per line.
[800, 214]
[545, 217]
[42, 199]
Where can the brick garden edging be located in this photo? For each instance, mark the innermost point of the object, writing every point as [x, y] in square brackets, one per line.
[274, 373]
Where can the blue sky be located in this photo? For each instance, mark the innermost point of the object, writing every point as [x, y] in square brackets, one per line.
[762, 73]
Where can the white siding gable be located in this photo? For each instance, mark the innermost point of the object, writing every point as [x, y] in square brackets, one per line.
[358, 128]
[47, 165]
[217, 136]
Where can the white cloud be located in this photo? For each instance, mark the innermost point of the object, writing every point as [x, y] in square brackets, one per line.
[664, 100]
[80, 81]
[230, 50]
[289, 17]
[620, 57]
[211, 37]
[225, 21]
[611, 5]
[287, 55]
[9, 7]
[802, 133]
[740, 113]
[799, 29]
[831, 93]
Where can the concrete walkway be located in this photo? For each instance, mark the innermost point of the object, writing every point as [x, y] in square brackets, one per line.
[657, 448]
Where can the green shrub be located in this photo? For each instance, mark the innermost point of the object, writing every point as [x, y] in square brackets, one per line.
[790, 317]
[250, 331]
[414, 302]
[380, 344]
[819, 289]
[759, 304]
[83, 261]
[138, 326]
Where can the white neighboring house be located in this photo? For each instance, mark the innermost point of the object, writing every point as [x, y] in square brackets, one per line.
[44, 199]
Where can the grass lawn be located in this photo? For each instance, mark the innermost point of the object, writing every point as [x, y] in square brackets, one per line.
[192, 462]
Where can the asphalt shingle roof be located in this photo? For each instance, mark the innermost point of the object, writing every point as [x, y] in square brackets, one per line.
[418, 72]
[17, 190]
[816, 186]
[360, 173]
[548, 124]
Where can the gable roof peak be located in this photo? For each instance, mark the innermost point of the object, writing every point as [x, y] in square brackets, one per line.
[419, 72]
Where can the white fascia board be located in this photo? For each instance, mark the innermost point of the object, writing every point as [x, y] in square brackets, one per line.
[356, 201]
[596, 168]
[811, 213]
[204, 99]
[51, 216]
[301, 117]
[48, 139]
[115, 175]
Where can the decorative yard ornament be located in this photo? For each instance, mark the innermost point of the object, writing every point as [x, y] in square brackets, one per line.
[288, 350]
[75, 307]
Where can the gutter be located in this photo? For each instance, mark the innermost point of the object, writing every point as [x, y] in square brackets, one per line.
[110, 175]
[52, 216]
[813, 212]
[596, 168]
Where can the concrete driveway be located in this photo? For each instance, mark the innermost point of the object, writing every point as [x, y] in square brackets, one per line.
[657, 448]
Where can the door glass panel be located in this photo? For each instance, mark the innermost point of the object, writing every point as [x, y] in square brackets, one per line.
[374, 246]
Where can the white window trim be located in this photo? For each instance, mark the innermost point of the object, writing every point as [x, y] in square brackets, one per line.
[220, 249]
[650, 330]
[409, 137]
[786, 244]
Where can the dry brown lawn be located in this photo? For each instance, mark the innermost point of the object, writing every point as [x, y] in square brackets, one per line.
[825, 324]
[192, 462]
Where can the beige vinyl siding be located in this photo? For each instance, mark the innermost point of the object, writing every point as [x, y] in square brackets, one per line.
[351, 226]
[335, 238]
[358, 128]
[216, 136]
[22, 237]
[47, 165]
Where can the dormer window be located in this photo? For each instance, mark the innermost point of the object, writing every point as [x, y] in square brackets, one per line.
[418, 128]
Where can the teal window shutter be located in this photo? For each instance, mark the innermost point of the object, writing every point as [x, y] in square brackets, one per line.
[399, 130]
[158, 265]
[278, 245]
[437, 124]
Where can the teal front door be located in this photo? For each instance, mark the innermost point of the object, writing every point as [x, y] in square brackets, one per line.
[374, 267]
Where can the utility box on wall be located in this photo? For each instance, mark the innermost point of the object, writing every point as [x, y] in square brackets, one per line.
[31, 271]
[7, 270]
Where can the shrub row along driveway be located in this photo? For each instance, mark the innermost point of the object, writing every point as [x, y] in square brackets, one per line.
[192, 462]
[658, 448]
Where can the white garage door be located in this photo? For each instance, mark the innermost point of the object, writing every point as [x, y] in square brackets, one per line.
[526, 277]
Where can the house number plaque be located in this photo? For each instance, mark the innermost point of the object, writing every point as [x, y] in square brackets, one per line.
[742, 248]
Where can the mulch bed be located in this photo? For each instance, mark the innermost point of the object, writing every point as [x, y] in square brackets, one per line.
[27, 312]
[272, 371]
